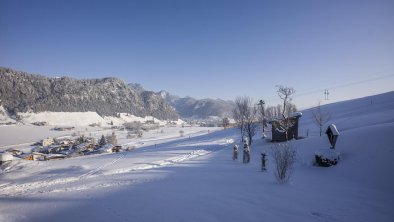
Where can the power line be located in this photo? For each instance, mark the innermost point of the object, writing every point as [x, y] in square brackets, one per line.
[337, 86]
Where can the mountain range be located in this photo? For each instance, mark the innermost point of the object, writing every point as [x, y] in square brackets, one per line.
[191, 108]
[23, 92]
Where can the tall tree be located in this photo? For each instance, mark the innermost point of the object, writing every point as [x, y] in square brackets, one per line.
[285, 93]
[112, 139]
[319, 117]
[102, 141]
[225, 122]
[245, 117]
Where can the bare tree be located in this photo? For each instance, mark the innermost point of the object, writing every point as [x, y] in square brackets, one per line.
[238, 115]
[320, 117]
[225, 122]
[273, 112]
[290, 108]
[285, 93]
[245, 117]
[112, 139]
[250, 124]
[284, 157]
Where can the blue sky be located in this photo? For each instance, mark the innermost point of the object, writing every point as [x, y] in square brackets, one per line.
[208, 48]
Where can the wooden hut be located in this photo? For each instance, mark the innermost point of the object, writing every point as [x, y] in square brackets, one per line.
[280, 125]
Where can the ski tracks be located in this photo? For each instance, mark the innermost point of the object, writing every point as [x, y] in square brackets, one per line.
[88, 180]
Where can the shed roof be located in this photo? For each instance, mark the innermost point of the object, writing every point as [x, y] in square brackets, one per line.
[334, 130]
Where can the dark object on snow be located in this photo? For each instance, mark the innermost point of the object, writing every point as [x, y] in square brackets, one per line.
[332, 133]
[279, 127]
[246, 156]
[263, 161]
[235, 152]
[326, 157]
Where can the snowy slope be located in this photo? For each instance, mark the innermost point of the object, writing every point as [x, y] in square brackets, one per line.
[4, 116]
[125, 117]
[63, 118]
[195, 179]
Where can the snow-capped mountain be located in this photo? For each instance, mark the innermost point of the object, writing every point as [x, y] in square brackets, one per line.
[192, 108]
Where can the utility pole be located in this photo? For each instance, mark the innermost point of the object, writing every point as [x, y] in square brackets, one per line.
[262, 103]
[326, 93]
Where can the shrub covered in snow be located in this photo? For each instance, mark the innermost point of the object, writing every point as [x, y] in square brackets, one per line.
[326, 157]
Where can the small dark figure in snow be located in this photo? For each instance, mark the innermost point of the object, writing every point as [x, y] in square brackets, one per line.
[263, 161]
[246, 158]
[235, 152]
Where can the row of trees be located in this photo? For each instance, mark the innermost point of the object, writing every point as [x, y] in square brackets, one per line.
[111, 139]
[247, 115]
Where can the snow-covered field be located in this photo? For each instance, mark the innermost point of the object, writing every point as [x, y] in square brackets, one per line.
[194, 178]
[83, 118]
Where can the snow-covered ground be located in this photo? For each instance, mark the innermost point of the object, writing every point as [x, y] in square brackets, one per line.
[194, 178]
[84, 118]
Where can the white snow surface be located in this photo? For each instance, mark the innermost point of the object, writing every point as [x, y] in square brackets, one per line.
[195, 179]
[84, 118]
[63, 118]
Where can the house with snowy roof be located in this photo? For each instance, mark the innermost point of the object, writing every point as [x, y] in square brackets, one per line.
[280, 125]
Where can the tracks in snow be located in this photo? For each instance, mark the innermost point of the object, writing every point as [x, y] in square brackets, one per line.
[88, 180]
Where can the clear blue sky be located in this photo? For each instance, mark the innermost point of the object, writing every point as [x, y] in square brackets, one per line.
[208, 48]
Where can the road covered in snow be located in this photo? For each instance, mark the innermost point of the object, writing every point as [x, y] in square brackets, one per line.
[195, 179]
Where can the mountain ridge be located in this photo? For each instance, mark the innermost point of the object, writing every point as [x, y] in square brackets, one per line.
[22, 92]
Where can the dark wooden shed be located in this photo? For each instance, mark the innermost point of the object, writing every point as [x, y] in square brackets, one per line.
[279, 128]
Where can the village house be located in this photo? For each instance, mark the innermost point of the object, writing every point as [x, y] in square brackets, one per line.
[47, 142]
[56, 156]
[107, 148]
[84, 146]
[14, 152]
[36, 156]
